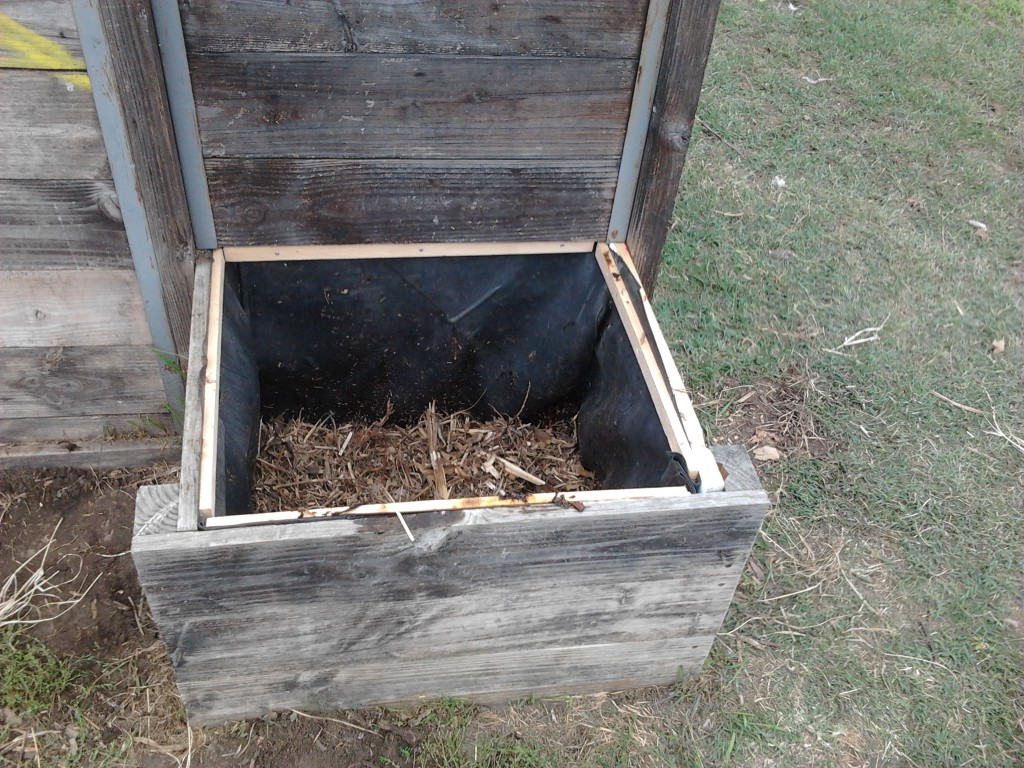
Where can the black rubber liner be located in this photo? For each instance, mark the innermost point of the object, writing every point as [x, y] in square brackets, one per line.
[506, 334]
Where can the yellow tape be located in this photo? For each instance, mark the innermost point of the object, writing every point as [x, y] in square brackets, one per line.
[21, 48]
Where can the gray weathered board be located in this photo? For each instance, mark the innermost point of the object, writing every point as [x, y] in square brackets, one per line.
[487, 604]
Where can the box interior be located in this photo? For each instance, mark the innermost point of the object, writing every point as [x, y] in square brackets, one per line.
[506, 334]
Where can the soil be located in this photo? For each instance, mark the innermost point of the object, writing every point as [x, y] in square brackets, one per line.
[129, 696]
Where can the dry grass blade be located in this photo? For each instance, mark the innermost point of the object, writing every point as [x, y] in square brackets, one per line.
[305, 466]
[30, 587]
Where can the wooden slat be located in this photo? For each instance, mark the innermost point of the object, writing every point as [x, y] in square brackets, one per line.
[97, 454]
[120, 47]
[609, 28]
[401, 251]
[360, 106]
[210, 446]
[48, 129]
[51, 19]
[65, 308]
[622, 594]
[87, 381]
[29, 430]
[51, 224]
[303, 202]
[687, 45]
[195, 378]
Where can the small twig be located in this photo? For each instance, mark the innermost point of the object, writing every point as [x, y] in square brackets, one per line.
[918, 658]
[405, 526]
[863, 336]
[721, 138]
[856, 591]
[955, 404]
[339, 722]
[791, 594]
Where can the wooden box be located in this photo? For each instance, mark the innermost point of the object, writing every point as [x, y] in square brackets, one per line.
[476, 131]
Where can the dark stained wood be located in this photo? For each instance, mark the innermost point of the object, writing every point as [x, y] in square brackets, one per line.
[83, 427]
[691, 25]
[497, 605]
[359, 106]
[128, 64]
[48, 129]
[96, 454]
[53, 224]
[39, 382]
[281, 202]
[51, 19]
[606, 28]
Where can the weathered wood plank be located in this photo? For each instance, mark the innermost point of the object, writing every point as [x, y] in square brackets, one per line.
[53, 224]
[687, 45]
[607, 28]
[64, 308]
[120, 48]
[51, 428]
[48, 129]
[195, 379]
[622, 594]
[87, 381]
[96, 454]
[308, 202]
[742, 475]
[359, 107]
[51, 19]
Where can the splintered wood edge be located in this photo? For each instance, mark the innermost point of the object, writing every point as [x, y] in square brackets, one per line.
[656, 385]
[258, 253]
[211, 392]
[711, 476]
[192, 428]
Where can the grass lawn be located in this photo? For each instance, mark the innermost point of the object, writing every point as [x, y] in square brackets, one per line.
[844, 283]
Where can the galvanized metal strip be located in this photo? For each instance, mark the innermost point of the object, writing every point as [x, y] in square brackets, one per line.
[183, 116]
[639, 118]
[122, 166]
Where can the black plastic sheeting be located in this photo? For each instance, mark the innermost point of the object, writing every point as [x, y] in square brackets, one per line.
[507, 334]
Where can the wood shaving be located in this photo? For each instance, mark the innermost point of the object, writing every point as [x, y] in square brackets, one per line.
[304, 465]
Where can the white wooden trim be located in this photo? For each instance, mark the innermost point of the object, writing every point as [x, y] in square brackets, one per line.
[211, 392]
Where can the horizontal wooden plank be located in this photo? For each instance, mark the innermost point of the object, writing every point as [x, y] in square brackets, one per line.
[536, 27]
[79, 381]
[48, 129]
[71, 308]
[309, 202]
[52, 20]
[402, 251]
[359, 107]
[614, 596]
[96, 454]
[54, 224]
[29, 430]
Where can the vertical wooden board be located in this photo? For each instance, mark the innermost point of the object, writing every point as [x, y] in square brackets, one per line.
[41, 382]
[52, 20]
[66, 308]
[687, 46]
[54, 224]
[599, 28]
[619, 595]
[48, 129]
[120, 47]
[307, 202]
[411, 106]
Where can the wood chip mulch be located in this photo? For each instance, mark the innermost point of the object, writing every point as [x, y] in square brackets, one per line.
[303, 465]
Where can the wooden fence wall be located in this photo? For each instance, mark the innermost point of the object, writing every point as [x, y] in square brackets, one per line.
[76, 356]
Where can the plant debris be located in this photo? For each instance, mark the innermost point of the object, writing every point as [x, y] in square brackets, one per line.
[303, 465]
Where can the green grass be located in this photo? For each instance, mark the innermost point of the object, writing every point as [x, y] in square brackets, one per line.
[32, 678]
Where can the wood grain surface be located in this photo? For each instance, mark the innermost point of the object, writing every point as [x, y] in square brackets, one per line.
[89, 381]
[54, 224]
[619, 595]
[361, 106]
[48, 129]
[71, 308]
[57, 428]
[51, 19]
[302, 202]
[606, 28]
[94, 454]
